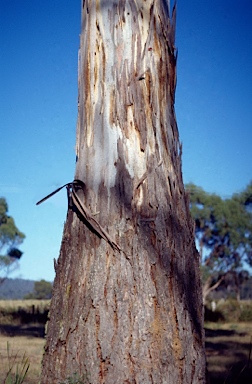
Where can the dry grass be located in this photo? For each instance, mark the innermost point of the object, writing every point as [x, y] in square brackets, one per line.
[15, 304]
[22, 337]
[11, 306]
[32, 347]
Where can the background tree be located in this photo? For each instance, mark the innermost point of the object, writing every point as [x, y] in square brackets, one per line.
[42, 290]
[223, 228]
[127, 304]
[10, 239]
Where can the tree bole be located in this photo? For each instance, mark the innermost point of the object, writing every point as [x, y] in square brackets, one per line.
[133, 314]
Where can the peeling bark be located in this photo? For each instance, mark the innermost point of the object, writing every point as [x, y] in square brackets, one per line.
[132, 314]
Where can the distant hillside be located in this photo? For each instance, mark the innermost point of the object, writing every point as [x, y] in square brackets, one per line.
[15, 288]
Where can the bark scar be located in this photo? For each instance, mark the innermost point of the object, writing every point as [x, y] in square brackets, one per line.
[75, 202]
[87, 215]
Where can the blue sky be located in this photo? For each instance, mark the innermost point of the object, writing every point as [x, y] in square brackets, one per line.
[39, 44]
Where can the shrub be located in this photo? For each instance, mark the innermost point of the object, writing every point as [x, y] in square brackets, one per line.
[230, 311]
[246, 311]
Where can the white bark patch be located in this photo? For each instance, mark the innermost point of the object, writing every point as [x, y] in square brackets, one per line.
[125, 91]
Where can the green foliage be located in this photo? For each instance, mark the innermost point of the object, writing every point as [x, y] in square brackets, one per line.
[233, 311]
[223, 229]
[10, 238]
[16, 372]
[246, 312]
[42, 290]
[10, 235]
[230, 310]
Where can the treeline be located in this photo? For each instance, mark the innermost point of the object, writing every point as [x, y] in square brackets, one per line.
[223, 232]
[18, 289]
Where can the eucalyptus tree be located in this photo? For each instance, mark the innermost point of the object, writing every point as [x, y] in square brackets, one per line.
[223, 228]
[10, 238]
[127, 304]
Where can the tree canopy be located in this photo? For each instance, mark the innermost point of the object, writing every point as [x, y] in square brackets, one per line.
[10, 238]
[223, 229]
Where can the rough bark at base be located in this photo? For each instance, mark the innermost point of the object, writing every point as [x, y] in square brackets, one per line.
[133, 316]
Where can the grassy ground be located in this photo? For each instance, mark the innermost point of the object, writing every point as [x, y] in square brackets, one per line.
[14, 304]
[22, 330]
[31, 346]
[228, 349]
[229, 352]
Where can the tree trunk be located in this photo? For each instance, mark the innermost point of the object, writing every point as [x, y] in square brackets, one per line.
[127, 308]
